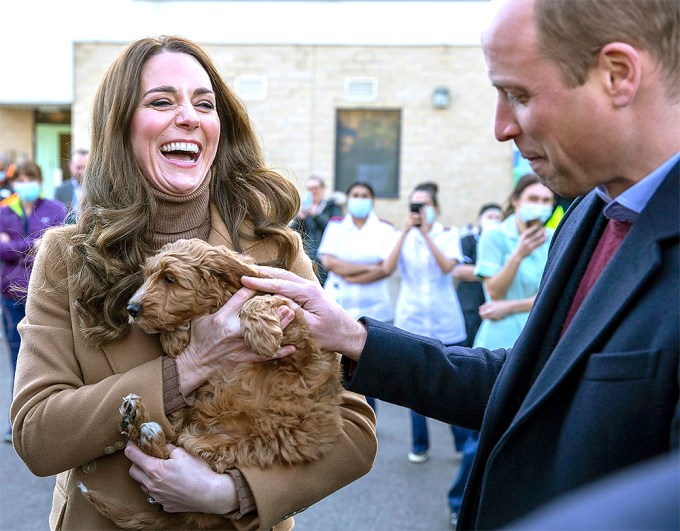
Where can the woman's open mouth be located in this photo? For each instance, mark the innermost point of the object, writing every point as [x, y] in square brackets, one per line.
[181, 151]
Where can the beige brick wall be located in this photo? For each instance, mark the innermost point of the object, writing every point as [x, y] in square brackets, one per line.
[305, 86]
[16, 132]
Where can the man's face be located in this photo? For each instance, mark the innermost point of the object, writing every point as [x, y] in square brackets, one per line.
[77, 166]
[555, 127]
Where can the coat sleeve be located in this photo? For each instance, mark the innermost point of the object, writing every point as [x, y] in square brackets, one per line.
[60, 420]
[281, 490]
[450, 384]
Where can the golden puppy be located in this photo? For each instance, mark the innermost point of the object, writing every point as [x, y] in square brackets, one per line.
[278, 411]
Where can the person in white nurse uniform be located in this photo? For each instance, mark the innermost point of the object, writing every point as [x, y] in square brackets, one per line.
[353, 249]
[426, 253]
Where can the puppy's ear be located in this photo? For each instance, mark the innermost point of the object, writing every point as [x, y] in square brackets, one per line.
[229, 265]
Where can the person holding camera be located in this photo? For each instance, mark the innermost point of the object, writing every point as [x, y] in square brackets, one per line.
[510, 262]
[426, 254]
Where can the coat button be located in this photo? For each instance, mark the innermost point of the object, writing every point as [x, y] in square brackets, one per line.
[119, 445]
[109, 450]
[90, 467]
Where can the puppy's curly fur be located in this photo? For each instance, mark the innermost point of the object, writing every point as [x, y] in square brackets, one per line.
[279, 411]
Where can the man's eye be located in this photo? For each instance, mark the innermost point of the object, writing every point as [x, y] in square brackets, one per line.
[514, 98]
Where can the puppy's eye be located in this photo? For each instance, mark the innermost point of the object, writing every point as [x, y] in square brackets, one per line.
[168, 279]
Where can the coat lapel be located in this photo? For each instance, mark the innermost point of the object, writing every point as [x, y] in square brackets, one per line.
[567, 260]
[619, 284]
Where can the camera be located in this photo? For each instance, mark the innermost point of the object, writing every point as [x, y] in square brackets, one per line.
[415, 209]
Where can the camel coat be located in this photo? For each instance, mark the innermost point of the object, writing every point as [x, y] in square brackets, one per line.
[65, 408]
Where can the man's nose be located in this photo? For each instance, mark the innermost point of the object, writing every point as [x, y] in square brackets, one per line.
[506, 126]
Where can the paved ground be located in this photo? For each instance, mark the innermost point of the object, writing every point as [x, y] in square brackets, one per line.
[394, 495]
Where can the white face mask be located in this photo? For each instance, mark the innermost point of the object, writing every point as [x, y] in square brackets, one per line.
[529, 211]
[359, 207]
[430, 214]
[486, 224]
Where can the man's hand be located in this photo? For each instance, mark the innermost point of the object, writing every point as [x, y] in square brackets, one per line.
[329, 324]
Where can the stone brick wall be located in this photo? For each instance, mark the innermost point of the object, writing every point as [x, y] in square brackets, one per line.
[16, 132]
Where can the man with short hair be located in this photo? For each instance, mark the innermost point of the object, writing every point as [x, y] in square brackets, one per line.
[69, 191]
[588, 91]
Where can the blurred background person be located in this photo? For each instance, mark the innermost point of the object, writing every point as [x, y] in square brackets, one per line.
[316, 209]
[22, 221]
[5, 175]
[68, 192]
[353, 250]
[426, 253]
[510, 262]
[471, 297]
[511, 257]
[468, 285]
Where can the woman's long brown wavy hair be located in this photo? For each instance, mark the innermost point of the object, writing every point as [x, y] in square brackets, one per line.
[113, 233]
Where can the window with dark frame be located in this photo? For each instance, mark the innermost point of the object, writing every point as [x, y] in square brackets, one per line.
[367, 146]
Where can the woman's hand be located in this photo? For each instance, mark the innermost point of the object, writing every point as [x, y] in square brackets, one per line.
[182, 483]
[495, 310]
[217, 343]
[329, 324]
[530, 239]
[412, 220]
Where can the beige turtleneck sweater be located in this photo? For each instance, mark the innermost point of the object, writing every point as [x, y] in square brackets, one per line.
[178, 217]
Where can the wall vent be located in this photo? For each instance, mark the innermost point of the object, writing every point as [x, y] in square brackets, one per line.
[361, 88]
[251, 88]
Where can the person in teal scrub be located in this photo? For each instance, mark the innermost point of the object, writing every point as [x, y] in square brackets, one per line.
[510, 262]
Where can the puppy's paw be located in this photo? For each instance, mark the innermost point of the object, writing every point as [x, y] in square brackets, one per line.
[152, 440]
[133, 415]
[261, 326]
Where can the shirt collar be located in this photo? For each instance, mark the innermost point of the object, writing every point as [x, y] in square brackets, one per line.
[628, 205]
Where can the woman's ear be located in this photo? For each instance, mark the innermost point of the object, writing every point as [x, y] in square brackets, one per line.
[621, 67]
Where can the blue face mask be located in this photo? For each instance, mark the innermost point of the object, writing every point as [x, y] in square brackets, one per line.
[27, 191]
[430, 214]
[529, 211]
[359, 207]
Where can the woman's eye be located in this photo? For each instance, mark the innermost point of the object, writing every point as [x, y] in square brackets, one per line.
[206, 105]
[160, 103]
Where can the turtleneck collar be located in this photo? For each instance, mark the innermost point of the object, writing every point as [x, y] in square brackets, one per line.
[180, 217]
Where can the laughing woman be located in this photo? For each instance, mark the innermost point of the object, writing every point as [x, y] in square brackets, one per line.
[173, 156]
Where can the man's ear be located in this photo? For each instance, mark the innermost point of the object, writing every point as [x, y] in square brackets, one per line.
[621, 67]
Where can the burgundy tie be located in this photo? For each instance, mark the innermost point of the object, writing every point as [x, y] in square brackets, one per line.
[611, 238]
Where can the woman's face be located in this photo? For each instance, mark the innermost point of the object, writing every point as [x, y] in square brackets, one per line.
[534, 193]
[175, 128]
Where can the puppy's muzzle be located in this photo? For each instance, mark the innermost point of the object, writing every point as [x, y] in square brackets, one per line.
[134, 308]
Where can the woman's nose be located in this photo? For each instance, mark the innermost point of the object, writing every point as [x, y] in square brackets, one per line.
[187, 117]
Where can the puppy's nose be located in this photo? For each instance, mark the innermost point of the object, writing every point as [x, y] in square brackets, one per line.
[134, 308]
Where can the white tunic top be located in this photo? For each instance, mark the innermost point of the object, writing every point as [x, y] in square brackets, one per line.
[427, 304]
[369, 244]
